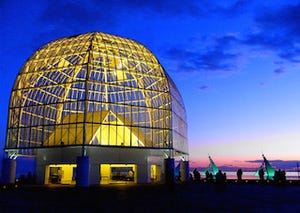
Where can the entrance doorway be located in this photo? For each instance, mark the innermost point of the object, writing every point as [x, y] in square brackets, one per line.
[60, 174]
[118, 173]
[155, 173]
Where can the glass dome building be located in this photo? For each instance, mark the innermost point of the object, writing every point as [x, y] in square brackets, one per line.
[97, 104]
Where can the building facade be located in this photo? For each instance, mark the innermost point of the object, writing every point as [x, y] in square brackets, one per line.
[96, 108]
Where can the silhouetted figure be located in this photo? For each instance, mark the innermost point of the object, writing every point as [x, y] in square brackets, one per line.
[29, 178]
[196, 176]
[210, 177]
[22, 179]
[276, 177]
[239, 174]
[279, 177]
[261, 174]
[191, 177]
[220, 179]
[283, 176]
[207, 176]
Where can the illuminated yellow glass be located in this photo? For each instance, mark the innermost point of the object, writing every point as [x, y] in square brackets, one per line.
[95, 89]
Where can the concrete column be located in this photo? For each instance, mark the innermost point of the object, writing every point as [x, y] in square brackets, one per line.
[83, 171]
[169, 171]
[9, 170]
[94, 177]
[184, 171]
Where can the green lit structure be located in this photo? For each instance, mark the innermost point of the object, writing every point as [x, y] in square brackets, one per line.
[211, 168]
[266, 166]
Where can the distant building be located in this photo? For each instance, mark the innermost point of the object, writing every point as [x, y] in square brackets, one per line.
[96, 109]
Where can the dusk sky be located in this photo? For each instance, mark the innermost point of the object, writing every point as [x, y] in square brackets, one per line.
[236, 64]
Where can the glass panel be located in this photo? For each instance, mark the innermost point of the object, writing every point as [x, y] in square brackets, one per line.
[110, 89]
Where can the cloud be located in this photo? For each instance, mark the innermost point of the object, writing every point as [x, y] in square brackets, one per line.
[280, 164]
[279, 34]
[217, 60]
[278, 31]
[192, 8]
[220, 56]
[284, 19]
[203, 87]
[279, 71]
[235, 8]
[262, 84]
[62, 18]
[168, 7]
[71, 16]
[214, 60]
[178, 53]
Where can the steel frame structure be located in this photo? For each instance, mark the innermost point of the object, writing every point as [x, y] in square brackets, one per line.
[94, 89]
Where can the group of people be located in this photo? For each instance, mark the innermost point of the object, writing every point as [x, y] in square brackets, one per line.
[220, 177]
[279, 176]
[196, 177]
[28, 179]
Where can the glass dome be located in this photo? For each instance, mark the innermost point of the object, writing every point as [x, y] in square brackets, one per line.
[95, 89]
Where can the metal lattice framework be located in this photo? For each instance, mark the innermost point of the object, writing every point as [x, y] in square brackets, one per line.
[95, 89]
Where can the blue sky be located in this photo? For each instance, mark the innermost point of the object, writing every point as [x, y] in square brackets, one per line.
[236, 63]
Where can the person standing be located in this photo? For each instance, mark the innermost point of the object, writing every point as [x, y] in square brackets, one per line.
[239, 174]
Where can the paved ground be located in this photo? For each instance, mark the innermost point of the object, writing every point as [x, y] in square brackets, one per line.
[153, 198]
